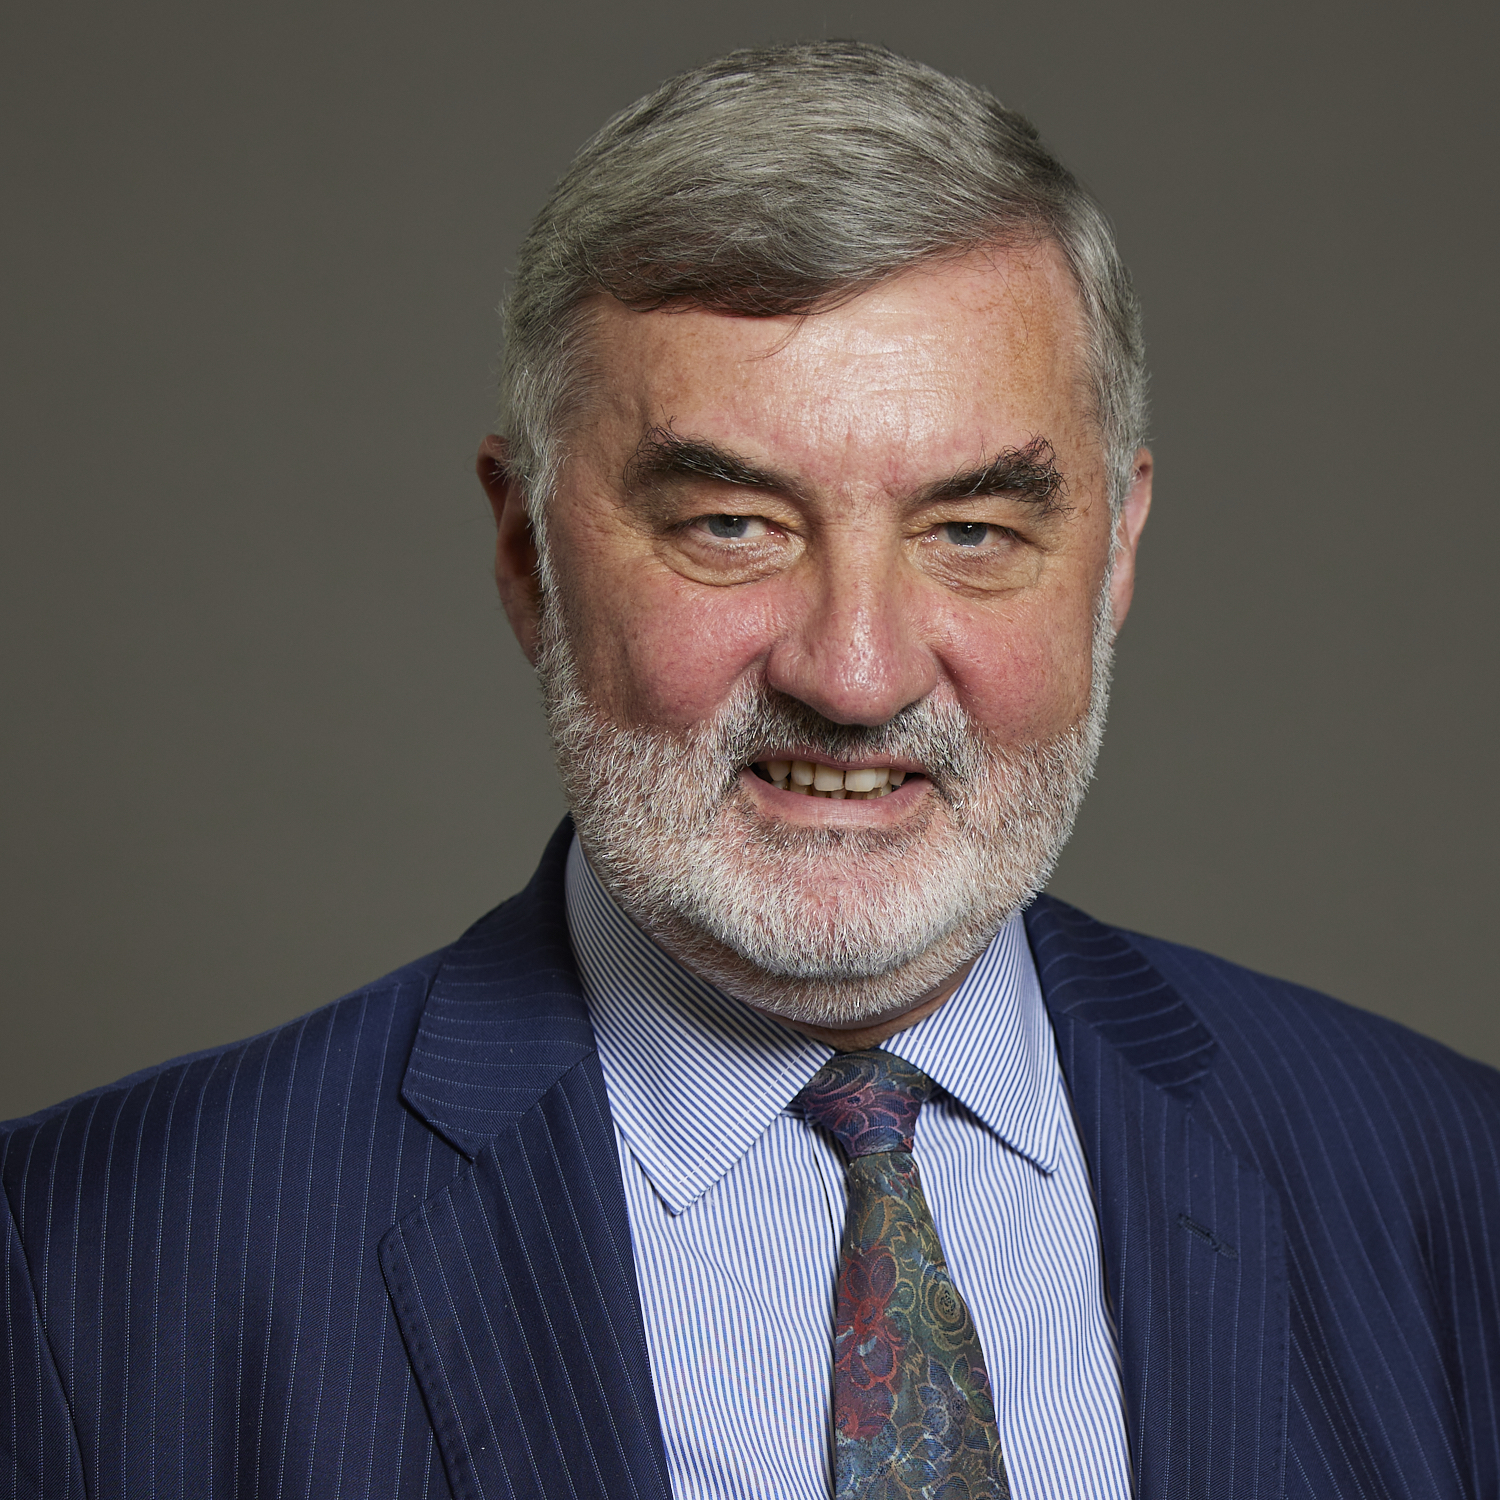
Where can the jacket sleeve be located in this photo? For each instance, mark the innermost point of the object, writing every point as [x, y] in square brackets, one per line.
[39, 1454]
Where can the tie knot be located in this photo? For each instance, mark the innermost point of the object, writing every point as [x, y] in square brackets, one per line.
[868, 1100]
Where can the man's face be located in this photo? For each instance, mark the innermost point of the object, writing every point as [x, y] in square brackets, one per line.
[875, 538]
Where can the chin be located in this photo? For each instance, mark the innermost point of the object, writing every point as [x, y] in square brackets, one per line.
[830, 927]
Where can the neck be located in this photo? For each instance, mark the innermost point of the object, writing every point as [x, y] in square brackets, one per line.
[883, 1005]
[858, 1038]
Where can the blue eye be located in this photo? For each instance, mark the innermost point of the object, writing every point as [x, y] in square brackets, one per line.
[729, 528]
[966, 533]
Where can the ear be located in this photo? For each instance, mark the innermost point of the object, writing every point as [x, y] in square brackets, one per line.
[1133, 515]
[515, 544]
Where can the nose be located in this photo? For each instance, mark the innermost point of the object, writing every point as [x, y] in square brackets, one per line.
[853, 648]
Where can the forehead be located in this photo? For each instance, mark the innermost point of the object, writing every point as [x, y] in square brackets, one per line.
[935, 367]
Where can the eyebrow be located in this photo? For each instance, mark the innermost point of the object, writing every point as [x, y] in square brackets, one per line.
[1029, 474]
[662, 456]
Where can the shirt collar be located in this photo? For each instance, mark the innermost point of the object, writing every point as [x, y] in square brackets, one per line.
[990, 1046]
[695, 1077]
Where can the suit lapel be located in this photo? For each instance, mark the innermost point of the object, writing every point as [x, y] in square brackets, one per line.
[514, 1286]
[1191, 1240]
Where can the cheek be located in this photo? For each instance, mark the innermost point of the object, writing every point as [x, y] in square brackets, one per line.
[661, 652]
[1027, 680]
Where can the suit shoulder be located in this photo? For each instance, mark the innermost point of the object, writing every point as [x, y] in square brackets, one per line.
[1290, 1027]
[394, 1001]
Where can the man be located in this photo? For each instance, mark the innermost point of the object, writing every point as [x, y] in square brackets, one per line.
[779, 1140]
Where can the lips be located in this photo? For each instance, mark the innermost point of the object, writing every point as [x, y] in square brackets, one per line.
[809, 778]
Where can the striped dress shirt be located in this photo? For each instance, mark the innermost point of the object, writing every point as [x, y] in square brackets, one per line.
[736, 1209]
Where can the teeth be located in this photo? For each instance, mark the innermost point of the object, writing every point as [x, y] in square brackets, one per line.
[808, 778]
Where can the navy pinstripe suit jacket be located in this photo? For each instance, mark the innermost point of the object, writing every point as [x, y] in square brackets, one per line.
[383, 1250]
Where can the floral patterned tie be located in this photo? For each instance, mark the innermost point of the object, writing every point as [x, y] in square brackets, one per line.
[912, 1410]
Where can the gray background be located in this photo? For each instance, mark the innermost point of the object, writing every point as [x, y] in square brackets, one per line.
[265, 734]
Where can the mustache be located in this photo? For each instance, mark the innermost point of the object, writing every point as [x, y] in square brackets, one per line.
[939, 737]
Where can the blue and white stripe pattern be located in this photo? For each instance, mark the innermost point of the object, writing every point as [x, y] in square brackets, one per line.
[736, 1208]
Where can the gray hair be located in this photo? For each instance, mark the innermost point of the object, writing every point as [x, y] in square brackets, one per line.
[786, 180]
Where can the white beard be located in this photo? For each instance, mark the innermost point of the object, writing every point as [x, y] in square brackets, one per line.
[836, 927]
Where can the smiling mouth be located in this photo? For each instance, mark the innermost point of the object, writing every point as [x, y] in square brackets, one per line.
[807, 778]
